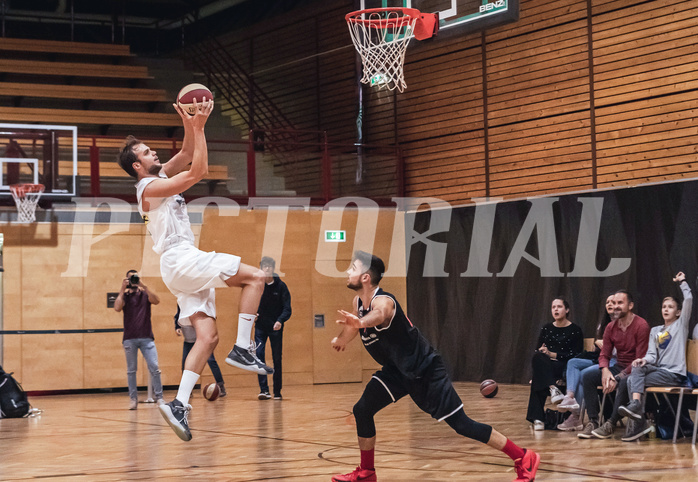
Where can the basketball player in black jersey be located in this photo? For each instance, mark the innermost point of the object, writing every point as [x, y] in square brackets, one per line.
[410, 366]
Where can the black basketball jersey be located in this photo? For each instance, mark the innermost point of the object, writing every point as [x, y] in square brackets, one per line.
[400, 344]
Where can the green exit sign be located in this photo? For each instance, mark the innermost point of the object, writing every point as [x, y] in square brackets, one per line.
[335, 236]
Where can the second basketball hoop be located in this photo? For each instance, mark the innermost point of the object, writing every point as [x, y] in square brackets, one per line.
[381, 36]
[26, 198]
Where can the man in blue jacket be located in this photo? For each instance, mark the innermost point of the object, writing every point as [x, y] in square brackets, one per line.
[274, 310]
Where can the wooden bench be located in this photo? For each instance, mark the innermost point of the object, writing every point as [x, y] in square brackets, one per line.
[90, 117]
[82, 92]
[73, 69]
[58, 47]
[112, 169]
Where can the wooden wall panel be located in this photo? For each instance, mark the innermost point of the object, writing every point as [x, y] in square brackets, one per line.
[561, 62]
[12, 301]
[523, 154]
[648, 141]
[647, 50]
[96, 360]
[538, 15]
[645, 68]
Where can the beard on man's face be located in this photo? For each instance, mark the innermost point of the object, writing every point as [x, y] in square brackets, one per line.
[155, 169]
[354, 286]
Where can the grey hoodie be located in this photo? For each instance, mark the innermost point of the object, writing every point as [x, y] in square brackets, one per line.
[667, 346]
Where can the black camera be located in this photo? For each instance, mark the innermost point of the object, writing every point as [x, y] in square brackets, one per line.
[133, 280]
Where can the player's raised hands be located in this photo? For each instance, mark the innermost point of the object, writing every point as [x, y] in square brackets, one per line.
[349, 319]
[680, 277]
[203, 111]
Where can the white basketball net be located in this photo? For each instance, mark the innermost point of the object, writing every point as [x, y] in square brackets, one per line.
[26, 198]
[381, 39]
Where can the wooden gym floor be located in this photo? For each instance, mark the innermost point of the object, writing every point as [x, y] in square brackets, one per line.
[308, 436]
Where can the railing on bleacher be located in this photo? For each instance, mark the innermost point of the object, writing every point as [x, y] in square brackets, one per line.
[313, 167]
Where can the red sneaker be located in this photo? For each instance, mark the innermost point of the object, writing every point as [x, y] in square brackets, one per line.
[359, 475]
[527, 466]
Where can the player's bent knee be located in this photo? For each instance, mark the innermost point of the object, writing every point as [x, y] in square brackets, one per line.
[209, 340]
[363, 414]
[467, 427]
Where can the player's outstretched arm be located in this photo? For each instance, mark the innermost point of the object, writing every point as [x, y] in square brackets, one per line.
[340, 341]
[185, 156]
[382, 311]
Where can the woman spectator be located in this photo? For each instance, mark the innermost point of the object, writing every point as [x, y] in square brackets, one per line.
[575, 369]
[558, 342]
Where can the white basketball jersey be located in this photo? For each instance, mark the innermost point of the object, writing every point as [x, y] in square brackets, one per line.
[168, 223]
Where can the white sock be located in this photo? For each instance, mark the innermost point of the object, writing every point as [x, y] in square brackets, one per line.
[245, 323]
[186, 385]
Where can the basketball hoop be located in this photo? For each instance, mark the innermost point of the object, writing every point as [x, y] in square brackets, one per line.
[381, 35]
[26, 198]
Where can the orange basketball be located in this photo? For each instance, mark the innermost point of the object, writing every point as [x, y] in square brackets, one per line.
[489, 388]
[186, 96]
[211, 391]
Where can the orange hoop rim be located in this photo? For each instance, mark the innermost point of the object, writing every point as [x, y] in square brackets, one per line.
[408, 14]
[22, 190]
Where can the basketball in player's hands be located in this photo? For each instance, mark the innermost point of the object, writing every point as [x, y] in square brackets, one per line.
[489, 388]
[186, 96]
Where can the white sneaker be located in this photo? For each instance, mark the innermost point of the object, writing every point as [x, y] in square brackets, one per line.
[556, 395]
[538, 425]
[569, 403]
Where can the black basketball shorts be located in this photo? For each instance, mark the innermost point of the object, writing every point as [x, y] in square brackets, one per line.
[433, 392]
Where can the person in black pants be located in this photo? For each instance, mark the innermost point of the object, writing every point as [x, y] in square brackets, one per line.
[409, 366]
[274, 310]
[558, 342]
[189, 335]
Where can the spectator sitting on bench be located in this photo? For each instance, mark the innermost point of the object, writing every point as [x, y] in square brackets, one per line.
[577, 366]
[628, 333]
[558, 342]
[664, 365]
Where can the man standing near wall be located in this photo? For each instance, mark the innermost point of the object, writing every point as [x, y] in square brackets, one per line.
[274, 310]
[134, 300]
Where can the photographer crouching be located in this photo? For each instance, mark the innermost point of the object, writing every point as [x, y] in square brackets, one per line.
[135, 299]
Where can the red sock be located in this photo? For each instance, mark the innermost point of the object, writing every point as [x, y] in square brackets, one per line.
[512, 450]
[367, 459]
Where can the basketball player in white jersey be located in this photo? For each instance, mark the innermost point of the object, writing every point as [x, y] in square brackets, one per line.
[191, 274]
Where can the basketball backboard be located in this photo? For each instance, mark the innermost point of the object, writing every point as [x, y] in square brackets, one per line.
[458, 16]
[34, 153]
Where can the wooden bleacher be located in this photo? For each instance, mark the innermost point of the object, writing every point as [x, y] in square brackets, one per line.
[93, 86]
[82, 92]
[113, 170]
[111, 173]
[94, 117]
[58, 47]
[74, 69]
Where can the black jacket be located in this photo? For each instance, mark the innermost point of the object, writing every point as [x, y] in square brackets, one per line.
[275, 305]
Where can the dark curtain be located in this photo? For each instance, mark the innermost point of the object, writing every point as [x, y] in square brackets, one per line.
[487, 326]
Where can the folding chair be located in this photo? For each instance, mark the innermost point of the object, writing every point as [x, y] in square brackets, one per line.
[692, 366]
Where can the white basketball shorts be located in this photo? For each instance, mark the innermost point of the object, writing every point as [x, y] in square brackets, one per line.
[192, 276]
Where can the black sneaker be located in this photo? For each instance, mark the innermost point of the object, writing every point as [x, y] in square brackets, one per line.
[632, 410]
[636, 430]
[221, 387]
[278, 397]
[263, 396]
[175, 413]
[247, 360]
